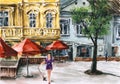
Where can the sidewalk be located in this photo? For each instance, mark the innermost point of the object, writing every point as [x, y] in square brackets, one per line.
[71, 73]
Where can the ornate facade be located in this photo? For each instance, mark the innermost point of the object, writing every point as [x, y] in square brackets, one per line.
[34, 19]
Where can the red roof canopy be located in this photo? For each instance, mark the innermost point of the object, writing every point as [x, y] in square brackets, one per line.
[57, 45]
[5, 50]
[28, 47]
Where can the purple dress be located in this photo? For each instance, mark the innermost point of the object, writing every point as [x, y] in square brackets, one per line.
[49, 64]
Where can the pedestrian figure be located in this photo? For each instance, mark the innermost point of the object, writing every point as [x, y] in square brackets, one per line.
[49, 66]
[106, 55]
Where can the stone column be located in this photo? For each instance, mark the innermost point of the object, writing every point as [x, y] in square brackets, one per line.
[74, 51]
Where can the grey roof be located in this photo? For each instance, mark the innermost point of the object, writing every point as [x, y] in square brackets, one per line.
[65, 3]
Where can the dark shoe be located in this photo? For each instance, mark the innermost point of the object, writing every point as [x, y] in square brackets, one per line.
[49, 83]
[44, 79]
[52, 81]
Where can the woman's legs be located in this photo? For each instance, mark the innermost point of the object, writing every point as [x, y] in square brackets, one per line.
[49, 75]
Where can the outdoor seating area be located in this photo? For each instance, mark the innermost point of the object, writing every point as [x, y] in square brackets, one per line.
[9, 69]
[27, 49]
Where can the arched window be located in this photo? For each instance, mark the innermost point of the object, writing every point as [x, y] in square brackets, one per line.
[3, 18]
[49, 19]
[32, 19]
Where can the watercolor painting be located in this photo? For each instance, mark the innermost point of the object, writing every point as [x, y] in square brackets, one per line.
[59, 41]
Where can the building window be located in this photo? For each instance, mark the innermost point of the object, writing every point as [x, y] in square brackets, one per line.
[60, 52]
[83, 51]
[64, 25]
[49, 19]
[79, 29]
[3, 18]
[118, 32]
[32, 20]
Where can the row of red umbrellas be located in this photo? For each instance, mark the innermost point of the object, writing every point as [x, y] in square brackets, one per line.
[28, 48]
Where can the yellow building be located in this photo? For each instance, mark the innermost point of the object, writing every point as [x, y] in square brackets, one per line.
[34, 19]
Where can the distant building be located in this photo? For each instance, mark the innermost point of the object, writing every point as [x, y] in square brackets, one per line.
[79, 45]
[112, 40]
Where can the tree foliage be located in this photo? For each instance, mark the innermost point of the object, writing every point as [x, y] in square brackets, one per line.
[96, 17]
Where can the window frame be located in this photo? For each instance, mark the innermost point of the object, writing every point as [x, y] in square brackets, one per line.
[118, 31]
[49, 20]
[33, 19]
[79, 30]
[3, 17]
[62, 32]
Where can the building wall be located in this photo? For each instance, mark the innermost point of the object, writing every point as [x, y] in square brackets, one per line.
[78, 41]
[114, 36]
[109, 38]
[19, 18]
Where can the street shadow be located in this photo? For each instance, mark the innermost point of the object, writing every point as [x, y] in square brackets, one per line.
[111, 74]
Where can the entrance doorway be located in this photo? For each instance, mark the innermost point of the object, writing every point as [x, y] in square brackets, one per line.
[70, 53]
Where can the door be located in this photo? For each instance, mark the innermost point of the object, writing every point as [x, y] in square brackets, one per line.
[70, 53]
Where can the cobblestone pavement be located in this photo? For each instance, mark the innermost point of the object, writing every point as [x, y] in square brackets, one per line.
[70, 73]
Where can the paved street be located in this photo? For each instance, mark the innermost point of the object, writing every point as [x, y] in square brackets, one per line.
[70, 73]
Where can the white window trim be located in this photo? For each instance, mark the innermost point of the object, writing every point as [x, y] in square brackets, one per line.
[68, 27]
[117, 27]
[78, 34]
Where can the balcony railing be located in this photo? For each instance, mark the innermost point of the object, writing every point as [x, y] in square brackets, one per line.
[38, 33]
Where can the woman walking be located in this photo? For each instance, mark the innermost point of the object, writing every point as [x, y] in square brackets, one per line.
[49, 66]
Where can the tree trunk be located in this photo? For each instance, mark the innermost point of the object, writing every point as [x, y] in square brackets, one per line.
[94, 61]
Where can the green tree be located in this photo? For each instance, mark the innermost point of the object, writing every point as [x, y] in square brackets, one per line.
[96, 21]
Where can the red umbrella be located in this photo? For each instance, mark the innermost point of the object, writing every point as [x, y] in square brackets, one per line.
[57, 45]
[5, 50]
[28, 47]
